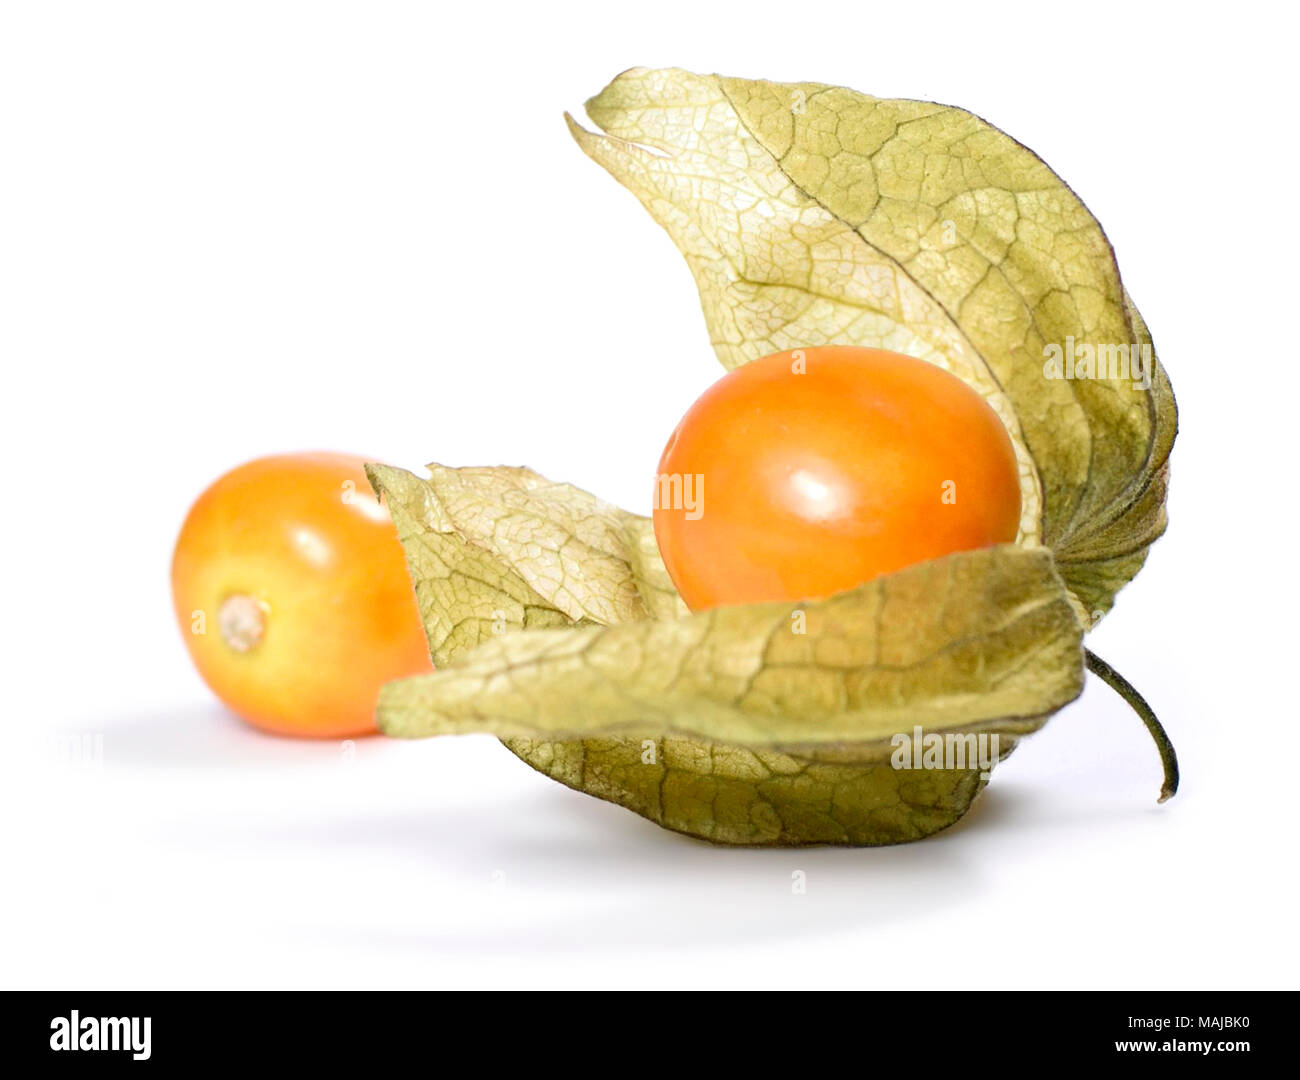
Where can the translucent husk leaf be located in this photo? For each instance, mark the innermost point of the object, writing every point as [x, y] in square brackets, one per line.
[761, 724]
[812, 214]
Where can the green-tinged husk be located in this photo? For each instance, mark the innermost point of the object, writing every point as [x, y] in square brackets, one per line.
[766, 723]
[810, 215]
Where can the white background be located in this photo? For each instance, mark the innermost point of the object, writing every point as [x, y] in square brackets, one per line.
[231, 229]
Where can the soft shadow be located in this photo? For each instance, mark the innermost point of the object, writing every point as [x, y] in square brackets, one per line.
[209, 737]
[558, 871]
[1008, 807]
